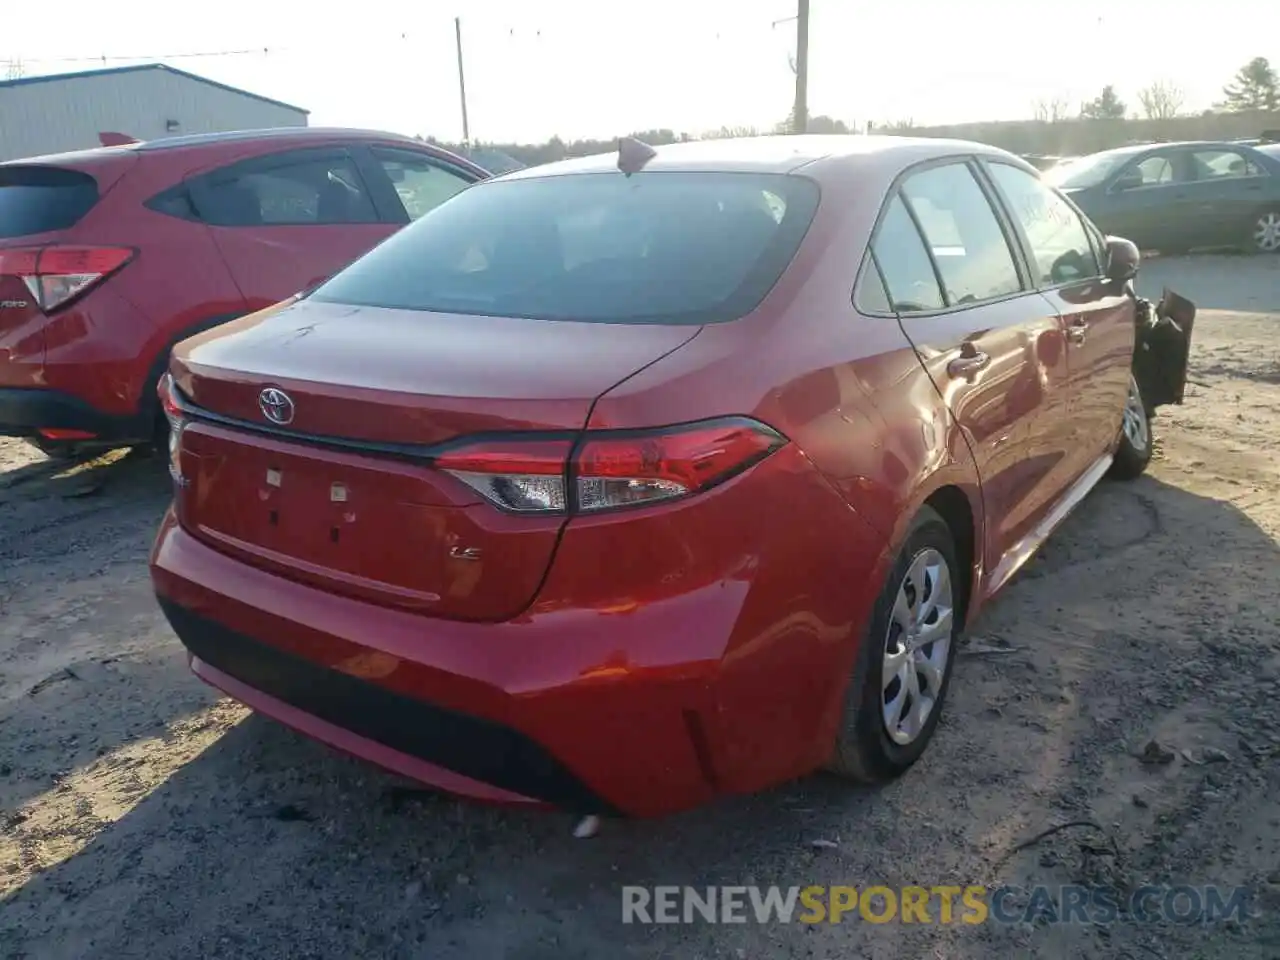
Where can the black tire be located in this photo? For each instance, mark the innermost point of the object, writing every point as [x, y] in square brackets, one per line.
[864, 751]
[1262, 224]
[1133, 456]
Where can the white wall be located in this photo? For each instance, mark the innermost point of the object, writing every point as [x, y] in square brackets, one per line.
[54, 116]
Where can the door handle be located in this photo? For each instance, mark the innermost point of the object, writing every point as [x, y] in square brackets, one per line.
[1077, 331]
[967, 364]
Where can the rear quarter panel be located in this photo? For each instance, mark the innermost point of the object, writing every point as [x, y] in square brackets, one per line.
[176, 285]
[853, 397]
[848, 389]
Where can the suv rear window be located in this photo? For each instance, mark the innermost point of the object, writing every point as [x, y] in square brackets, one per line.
[657, 247]
[39, 199]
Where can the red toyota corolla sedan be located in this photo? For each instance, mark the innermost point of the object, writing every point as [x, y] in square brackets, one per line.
[625, 482]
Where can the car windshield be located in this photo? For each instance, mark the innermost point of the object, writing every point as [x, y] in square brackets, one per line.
[656, 247]
[1085, 172]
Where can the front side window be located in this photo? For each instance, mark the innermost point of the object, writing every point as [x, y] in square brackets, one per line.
[306, 191]
[1158, 170]
[963, 233]
[656, 247]
[1059, 241]
[421, 184]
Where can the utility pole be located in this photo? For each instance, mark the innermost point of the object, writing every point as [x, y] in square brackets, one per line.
[462, 81]
[800, 116]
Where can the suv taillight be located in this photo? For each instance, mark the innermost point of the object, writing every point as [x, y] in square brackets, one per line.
[177, 423]
[608, 469]
[57, 275]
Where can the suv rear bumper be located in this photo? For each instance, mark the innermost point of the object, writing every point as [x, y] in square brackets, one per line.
[26, 410]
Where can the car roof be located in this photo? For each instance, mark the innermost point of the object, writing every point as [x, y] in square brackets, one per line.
[277, 136]
[776, 154]
[1135, 148]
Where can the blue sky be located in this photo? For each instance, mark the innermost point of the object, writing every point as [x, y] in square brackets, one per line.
[577, 68]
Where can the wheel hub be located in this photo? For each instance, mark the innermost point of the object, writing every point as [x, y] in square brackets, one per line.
[1266, 233]
[1136, 427]
[917, 647]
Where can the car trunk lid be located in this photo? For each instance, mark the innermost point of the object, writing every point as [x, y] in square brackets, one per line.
[344, 495]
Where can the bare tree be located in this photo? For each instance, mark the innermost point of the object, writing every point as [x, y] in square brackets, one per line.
[1162, 100]
[731, 132]
[14, 70]
[893, 127]
[1050, 110]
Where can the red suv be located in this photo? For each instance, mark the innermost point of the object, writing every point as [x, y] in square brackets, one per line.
[108, 257]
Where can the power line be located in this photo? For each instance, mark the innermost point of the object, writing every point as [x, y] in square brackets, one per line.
[515, 32]
[155, 56]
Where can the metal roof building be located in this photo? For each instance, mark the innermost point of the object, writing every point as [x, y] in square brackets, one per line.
[72, 111]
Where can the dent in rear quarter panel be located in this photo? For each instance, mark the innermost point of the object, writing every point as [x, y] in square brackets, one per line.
[753, 555]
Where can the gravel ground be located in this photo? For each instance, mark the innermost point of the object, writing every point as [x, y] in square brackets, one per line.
[143, 816]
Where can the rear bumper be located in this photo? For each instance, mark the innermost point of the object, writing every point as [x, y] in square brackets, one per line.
[26, 410]
[713, 661]
[460, 752]
[519, 711]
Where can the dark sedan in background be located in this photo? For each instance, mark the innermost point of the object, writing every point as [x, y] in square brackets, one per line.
[1173, 197]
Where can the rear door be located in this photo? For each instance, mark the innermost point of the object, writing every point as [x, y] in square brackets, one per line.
[287, 220]
[1228, 190]
[1097, 316]
[993, 349]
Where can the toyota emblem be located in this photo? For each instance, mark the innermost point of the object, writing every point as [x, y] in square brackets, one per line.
[276, 406]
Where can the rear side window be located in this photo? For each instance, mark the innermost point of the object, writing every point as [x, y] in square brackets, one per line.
[40, 199]
[309, 191]
[963, 233]
[671, 248]
[904, 261]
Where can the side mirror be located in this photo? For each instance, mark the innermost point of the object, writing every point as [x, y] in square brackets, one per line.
[1123, 259]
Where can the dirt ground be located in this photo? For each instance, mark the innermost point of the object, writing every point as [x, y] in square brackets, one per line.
[143, 816]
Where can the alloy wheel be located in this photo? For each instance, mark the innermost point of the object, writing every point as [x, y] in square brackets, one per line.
[917, 647]
[1266, 232]
[1136, 426]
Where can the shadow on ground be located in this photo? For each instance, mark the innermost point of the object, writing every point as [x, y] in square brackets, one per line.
[267, 845]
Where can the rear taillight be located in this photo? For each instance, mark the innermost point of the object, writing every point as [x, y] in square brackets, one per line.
[610, 469]
[57, 275]
[177, 423]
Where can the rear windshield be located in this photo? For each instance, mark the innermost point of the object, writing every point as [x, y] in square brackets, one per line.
[658, 247]
[39, 199]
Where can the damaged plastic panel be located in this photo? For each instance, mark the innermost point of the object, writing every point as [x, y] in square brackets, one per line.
[1163, 348]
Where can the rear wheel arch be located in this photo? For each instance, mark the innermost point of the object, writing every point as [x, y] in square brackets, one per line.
[954, 506]
[149, 416]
